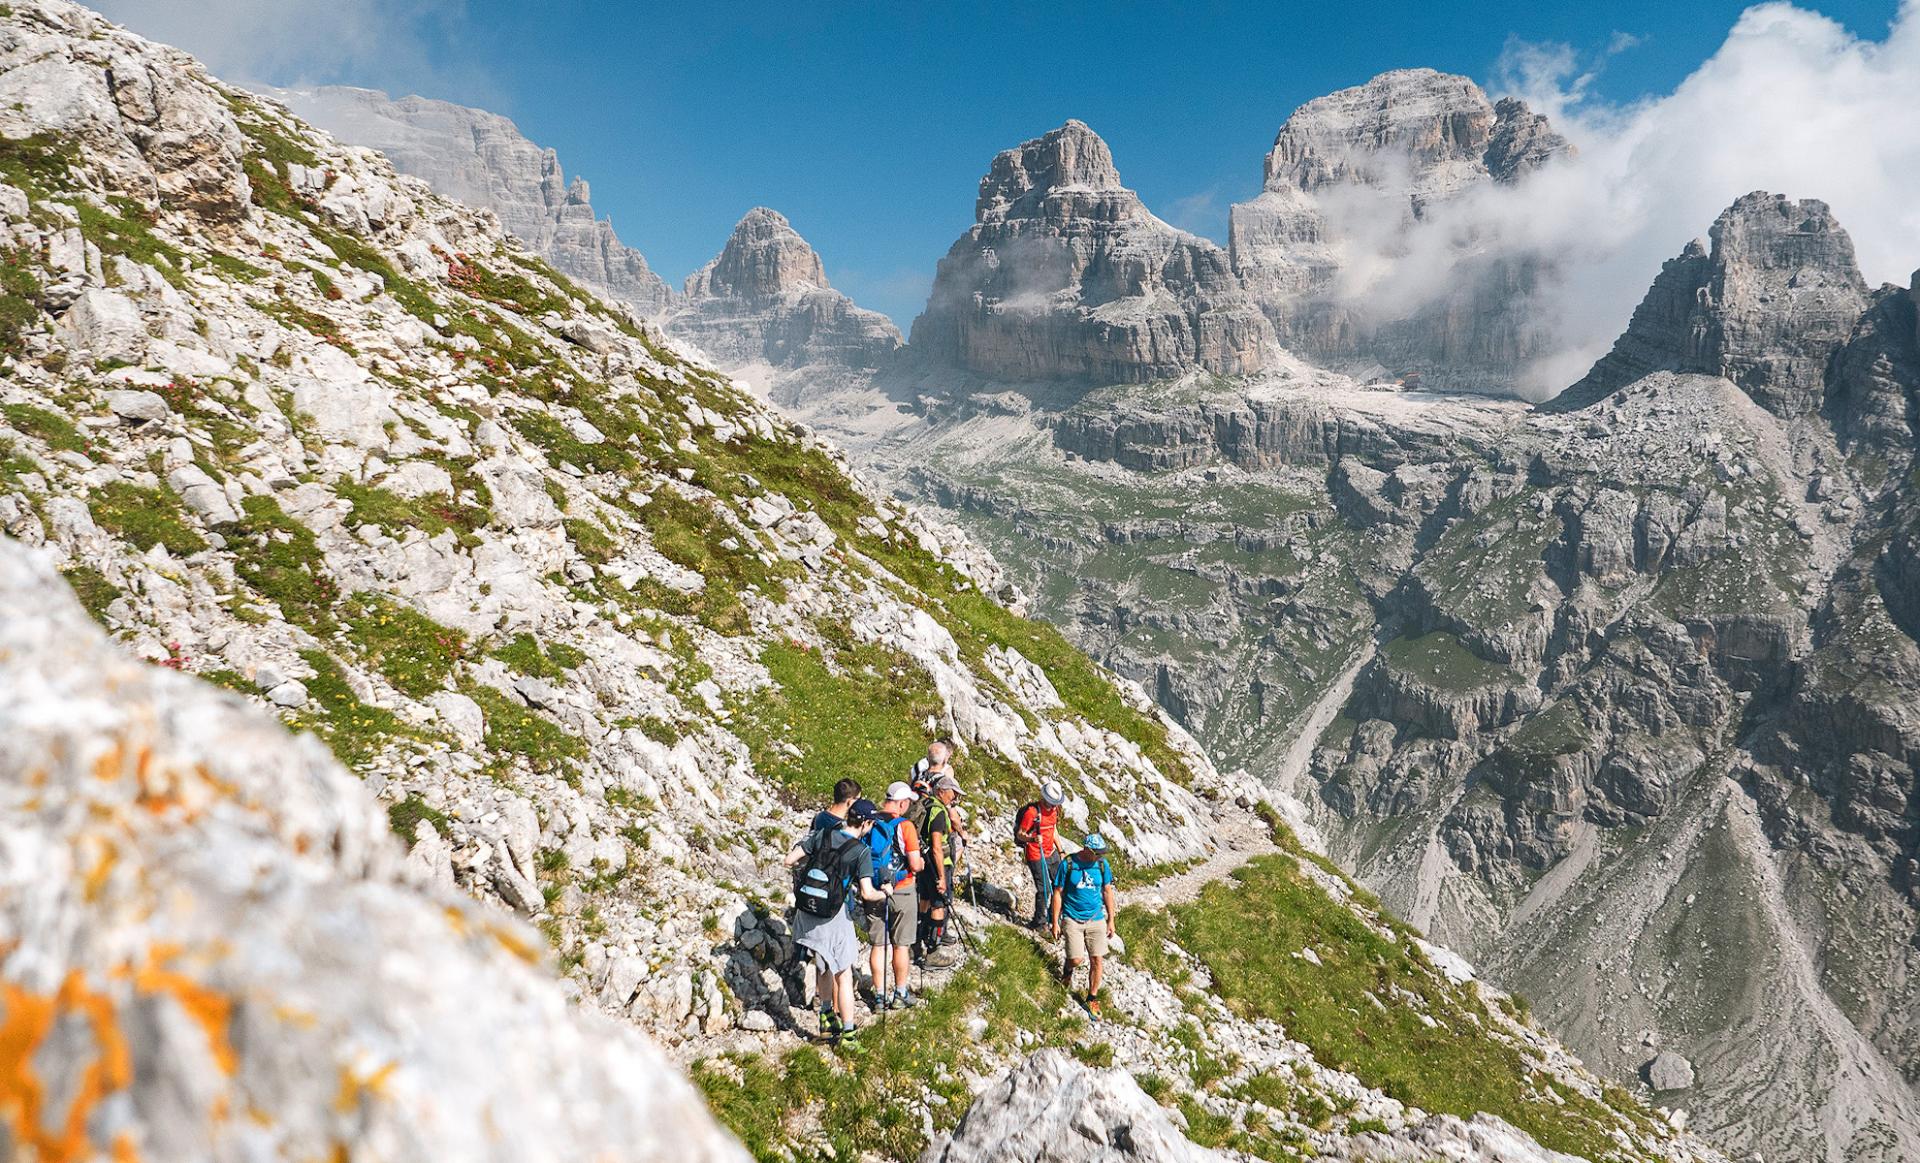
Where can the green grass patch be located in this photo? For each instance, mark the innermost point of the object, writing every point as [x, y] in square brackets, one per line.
[594, 543]
[145, 517]
[407, 815]
[1359, 1008]
[356, 731]
[19, 300]
[58, 432]
[514, 730]
[693, 534]
[859, 715]
[280, 560]
[1439, 660]
[432, 514]
[93, 589]
[525, 655]
[414, 653]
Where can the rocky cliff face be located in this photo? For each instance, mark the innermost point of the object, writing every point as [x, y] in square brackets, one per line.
[1613, 695]
[482, 160]
[765, 301]
[1066, 275]
[594, 630]
[1766, 304]
[1350, 177]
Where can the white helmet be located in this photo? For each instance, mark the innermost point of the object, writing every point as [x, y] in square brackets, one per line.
[1053, 793]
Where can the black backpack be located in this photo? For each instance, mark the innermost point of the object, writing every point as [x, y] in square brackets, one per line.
[820, 886]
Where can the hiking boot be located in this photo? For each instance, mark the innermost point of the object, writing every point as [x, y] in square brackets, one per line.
[829, 1024]
[944, 957]
[903, 1000]
[1093, 1006]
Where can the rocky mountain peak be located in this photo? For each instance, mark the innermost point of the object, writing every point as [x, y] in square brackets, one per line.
[1427, 132]
[1361, 168]
[763, 259]
[764, 301]
[1063, 171]
[1765, 302]
[1065, 274]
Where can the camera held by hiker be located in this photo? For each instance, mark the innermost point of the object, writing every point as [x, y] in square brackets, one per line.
[1083, 909]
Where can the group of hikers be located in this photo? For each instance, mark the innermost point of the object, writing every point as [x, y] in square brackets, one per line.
[883, 874]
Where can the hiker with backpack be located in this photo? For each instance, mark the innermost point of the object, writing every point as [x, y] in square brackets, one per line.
[832, 867]
[1083, 904]
[1036, 830]
[894, 846]
[939, 840]
[835, 814]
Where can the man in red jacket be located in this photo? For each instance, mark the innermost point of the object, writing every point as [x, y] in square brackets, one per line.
[1035, 829]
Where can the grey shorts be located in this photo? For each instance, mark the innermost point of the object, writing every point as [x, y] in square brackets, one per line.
[901, 911]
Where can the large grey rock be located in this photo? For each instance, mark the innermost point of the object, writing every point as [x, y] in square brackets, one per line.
[1766, 304]
[1066, 275]
[1351, 177]
[765, 300]
[484, 160]
[107, 325]
[201, 914]
[1053, 1109]
[1668, 1071]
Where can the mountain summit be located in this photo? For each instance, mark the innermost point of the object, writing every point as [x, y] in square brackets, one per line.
[764, 300]
[1067, 275]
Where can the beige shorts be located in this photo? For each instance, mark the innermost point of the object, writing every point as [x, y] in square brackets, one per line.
[1085, 937]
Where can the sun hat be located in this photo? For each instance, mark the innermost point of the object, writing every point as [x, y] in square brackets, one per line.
[948, 783]
[1053, 793]
[898, 790]
[1095, 842]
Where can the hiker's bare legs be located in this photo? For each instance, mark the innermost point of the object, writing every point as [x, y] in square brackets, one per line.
[1093, 977]
[843, 994]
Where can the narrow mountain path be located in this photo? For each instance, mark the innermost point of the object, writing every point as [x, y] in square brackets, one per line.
[1241, 835]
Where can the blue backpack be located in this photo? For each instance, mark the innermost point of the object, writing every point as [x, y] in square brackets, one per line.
[889, 864]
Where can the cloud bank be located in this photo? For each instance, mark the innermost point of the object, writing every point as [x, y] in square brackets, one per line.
[295, 42]
[1791, 103]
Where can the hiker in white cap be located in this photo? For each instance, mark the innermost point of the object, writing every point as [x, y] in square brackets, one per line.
[1035, 829]
[894, 921]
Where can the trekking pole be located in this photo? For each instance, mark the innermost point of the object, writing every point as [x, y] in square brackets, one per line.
[886, 948]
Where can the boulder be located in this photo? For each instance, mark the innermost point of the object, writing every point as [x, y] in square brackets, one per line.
[1668, 1071]
[176, 871]
[1052, 1108]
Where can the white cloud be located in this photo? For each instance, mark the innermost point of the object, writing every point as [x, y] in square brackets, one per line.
[292, 42]
[1791, 103]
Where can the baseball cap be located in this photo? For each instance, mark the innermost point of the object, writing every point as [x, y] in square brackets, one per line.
[1053, 793]
[948, 783]
[1096, 842]
[897, 790]
[862, 811]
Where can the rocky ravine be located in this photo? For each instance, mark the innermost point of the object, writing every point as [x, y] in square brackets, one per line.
[1630, 721]
[593, 627]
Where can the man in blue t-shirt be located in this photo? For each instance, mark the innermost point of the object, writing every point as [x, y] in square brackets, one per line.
[835, 815]
[1085, 896]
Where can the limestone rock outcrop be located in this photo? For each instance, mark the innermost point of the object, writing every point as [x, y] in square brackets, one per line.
[483, 160]
[201, 914]
[1766, 304]
[1351, 175]
[1052, 1109]
[765, 300]
[1066, 275]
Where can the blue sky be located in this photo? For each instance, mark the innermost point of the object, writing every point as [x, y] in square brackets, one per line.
[869, 124]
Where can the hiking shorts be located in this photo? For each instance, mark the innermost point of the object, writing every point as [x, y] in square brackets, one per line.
[935, 891]
[1084, 938]
[901, 911]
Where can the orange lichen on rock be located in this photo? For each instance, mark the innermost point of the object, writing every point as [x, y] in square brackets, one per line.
[209, 1007]
[29, 1017]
